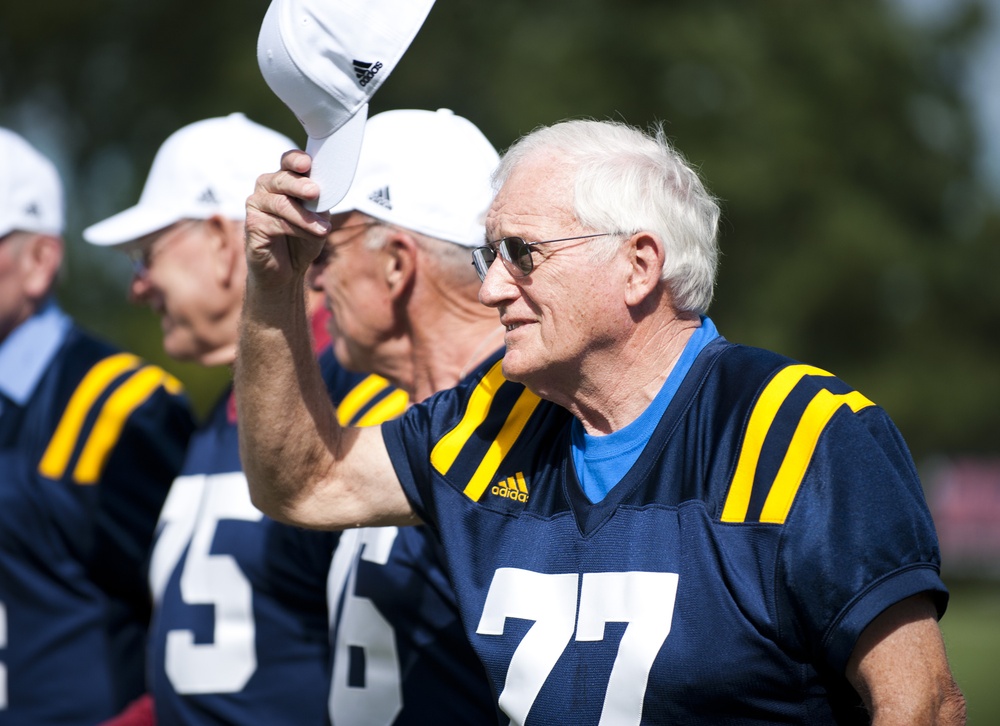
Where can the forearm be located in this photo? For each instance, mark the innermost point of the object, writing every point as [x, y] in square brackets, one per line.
[302, 467]
[900, 669]
[946, 708]
[282, 404]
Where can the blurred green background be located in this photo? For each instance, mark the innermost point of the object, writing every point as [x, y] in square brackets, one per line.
[859, 232]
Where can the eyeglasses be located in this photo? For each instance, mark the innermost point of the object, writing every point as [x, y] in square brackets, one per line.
[515, 253]
[330, 248]
[142, 252]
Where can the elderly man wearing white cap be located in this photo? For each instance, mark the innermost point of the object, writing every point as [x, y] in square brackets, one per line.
[402, 296]
[90, 439]
[240, 626]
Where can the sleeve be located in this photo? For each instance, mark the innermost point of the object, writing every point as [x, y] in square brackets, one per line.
[409, 440]
[458, 437]
[858, 539]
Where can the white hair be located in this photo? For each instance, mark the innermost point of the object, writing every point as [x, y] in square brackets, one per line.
[627, 181]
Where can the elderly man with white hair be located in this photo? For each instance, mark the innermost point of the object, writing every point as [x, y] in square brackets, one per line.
[643, 521]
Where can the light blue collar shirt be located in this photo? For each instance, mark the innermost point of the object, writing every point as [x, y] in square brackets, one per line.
[26, 353]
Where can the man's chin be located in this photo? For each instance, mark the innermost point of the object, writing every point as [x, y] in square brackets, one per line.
[514, 368]
[180, 351]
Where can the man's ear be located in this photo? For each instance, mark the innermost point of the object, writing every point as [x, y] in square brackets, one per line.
[399, 263]
[645, 256]
[224, 238]
[41, 257]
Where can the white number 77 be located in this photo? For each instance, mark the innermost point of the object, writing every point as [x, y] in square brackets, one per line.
[644, 600]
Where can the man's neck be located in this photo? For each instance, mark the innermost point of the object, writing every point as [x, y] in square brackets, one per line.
[451, 350]
[614, 387]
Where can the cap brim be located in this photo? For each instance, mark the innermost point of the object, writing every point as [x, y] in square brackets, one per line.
[129, 225]
[335, 159]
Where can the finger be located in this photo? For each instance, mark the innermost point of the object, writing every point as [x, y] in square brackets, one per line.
[281, 194]
[298, 164]
[297, 161]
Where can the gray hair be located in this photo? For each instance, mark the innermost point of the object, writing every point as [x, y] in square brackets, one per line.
[628, 181]
[450, 257]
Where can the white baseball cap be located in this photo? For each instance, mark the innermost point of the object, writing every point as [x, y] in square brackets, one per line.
[325, 60]
[206, 168]
[427, 171]
[31, 194]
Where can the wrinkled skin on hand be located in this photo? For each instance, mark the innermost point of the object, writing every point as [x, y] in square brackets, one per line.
[282, 236]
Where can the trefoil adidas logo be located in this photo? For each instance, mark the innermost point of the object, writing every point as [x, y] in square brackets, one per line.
[366, 71]
[381, 197]
[513, 487]
[32, 210]
[208, 197]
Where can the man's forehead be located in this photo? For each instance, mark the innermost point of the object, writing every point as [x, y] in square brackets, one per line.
[529, 209]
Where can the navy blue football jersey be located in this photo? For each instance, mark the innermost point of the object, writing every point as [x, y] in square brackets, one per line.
[240, 632]
[400, 655]
[773, 513]
[88, 449]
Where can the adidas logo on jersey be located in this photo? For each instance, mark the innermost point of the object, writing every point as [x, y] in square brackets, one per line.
[208, 197]
[381, 197]
[366, 71]
[513, 487]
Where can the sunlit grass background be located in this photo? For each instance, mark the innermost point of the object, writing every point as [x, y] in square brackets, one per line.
[972, 635]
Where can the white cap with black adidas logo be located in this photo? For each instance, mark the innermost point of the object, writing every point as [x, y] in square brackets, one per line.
[31, 194]
[325, 60]
[204, 169]
[427, 171]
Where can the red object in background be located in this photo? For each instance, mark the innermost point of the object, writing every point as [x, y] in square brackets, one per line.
[138, 713]
[965, 503]
[321, 335]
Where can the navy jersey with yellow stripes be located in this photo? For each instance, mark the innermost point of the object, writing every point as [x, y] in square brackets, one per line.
[399, 653]
[773, 513]
[240, 631]
[88, 448]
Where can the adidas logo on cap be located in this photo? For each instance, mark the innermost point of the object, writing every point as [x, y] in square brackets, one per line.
[32, 210]
[381, 197]
[208, 197]
[366, 71]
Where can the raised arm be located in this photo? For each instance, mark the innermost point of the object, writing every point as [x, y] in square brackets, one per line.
[900, 669]
[302, 466]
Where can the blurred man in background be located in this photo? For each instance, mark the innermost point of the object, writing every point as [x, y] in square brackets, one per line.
[396, 276]
[240, 626]
[90, 439]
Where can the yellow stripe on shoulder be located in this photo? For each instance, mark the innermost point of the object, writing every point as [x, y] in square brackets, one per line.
[60, 449]
[525, 405]
[390, 407]
[359, 396]
[107, 430]
[446, 451]
[793, 467]
[800, 450]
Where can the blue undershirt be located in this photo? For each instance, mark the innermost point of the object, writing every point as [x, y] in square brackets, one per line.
[601, 461]
[26, 353]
